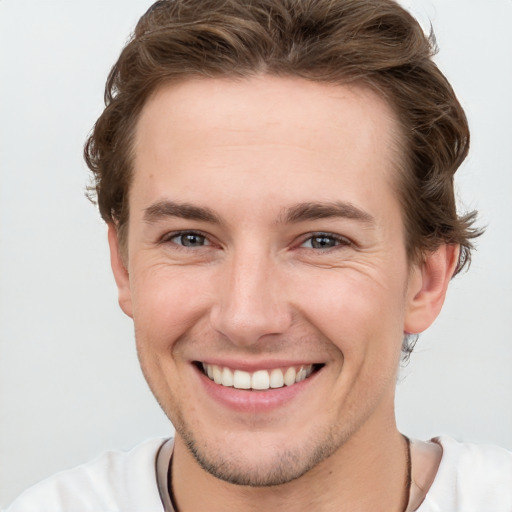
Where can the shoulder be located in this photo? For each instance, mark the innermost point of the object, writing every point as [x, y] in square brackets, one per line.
[471, 478]
[113, 482]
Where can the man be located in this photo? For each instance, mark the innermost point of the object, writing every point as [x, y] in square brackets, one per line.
[278, 183]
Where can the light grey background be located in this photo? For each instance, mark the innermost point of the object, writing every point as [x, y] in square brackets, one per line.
[70, 386]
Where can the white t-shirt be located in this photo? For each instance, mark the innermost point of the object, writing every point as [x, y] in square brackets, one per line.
[471, 478]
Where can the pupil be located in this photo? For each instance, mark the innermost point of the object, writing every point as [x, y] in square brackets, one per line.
[321, 242]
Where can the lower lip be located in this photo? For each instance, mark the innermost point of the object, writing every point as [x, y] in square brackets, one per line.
[251, 401]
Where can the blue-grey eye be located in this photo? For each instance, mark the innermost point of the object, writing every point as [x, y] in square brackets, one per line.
[324, 241]
[190, 240]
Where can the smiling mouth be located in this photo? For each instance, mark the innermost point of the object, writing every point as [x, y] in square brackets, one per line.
[259, 380]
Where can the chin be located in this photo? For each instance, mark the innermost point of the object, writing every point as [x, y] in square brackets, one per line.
[261, 461]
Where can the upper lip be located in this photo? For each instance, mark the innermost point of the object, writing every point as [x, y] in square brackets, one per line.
[252, 366]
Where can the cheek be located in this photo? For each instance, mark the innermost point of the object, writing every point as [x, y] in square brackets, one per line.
[166, 304]
[360, 314]
[166, 307]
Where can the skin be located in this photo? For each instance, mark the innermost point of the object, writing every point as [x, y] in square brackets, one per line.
[258, 287]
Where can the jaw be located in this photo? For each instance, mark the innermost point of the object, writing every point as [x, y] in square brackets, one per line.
[279, 465]
[262, 438]
[256, 457]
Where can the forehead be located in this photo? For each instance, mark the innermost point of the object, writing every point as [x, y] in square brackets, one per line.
[274, 136]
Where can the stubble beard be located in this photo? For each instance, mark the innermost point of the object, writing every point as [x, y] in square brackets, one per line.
[284, 467]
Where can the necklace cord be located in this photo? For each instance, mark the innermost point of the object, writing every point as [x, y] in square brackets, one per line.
[408, 478]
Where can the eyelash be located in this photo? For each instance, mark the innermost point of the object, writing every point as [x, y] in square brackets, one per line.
[339, 241]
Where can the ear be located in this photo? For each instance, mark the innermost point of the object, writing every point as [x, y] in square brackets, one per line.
[427, 288]
[120, 272]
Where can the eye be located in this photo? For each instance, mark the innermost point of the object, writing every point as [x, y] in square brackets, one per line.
[188, 239]
[324, 241]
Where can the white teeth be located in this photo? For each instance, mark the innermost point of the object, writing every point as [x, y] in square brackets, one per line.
[227, 377]
[260, 379]
[241, 380]
[217, 375]
[301, 375]
[276, 378]
[289, 376]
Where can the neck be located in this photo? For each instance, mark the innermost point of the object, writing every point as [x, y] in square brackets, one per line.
[367, 473]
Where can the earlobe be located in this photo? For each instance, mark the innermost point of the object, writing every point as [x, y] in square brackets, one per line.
[428, 286]
[121, 275]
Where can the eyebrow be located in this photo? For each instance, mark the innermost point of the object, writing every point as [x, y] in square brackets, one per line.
[312, 211]
[163, 209]
[297, 213]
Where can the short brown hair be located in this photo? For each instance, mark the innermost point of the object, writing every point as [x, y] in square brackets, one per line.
[371, 42]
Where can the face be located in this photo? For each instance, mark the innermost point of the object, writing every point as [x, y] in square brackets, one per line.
[266, 270]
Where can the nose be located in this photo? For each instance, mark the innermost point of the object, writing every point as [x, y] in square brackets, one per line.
[251, 301]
